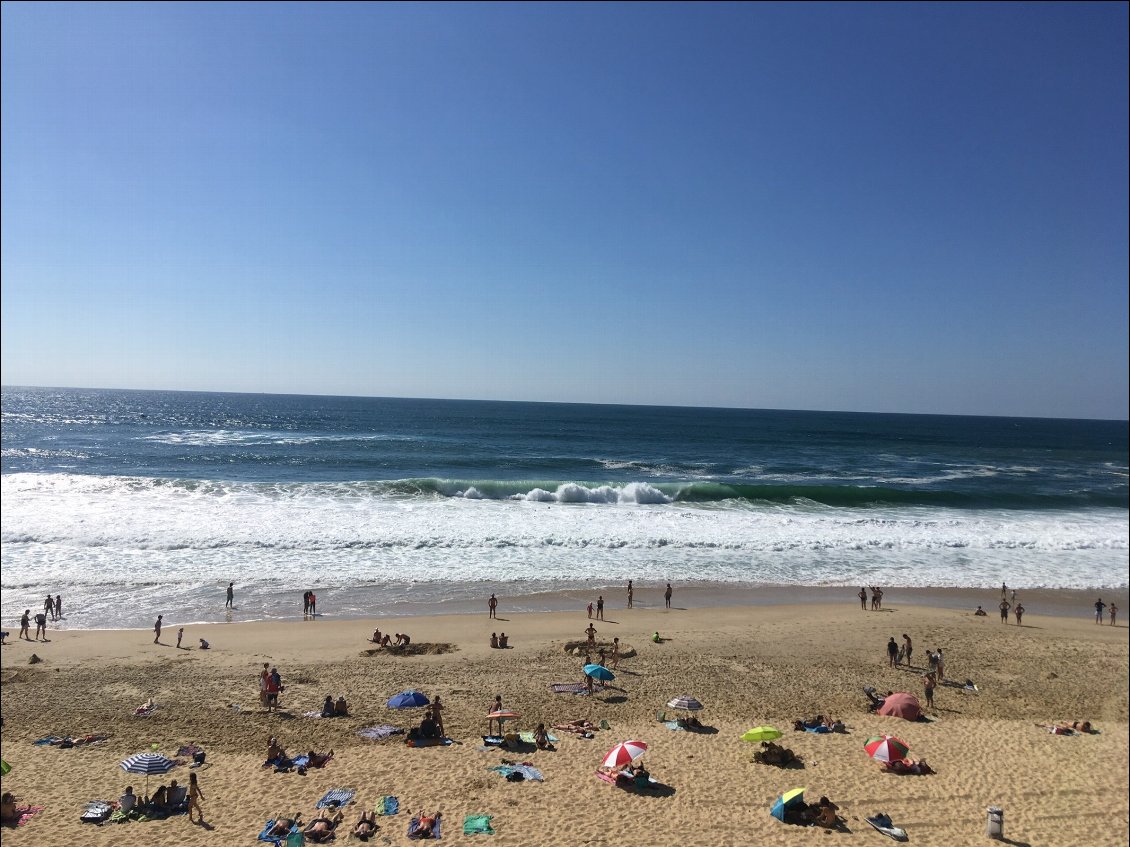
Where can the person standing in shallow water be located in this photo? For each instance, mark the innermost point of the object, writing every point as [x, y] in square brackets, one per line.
[229, 604]
[629, 594]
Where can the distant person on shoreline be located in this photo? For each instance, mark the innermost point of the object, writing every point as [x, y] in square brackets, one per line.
[204, 644]
[25, 625]
[591, 633]
[630, 594]
[908, 648]
[590, 609]
[1113, 610]
[1099, 607]
[180, 635]
[157, 630]
[41, 626]
[305, 604]
[1004, 607]
[863, 599]
[1019, 612]
[1004, 591]
[600, 608]
[229, 604]
[981, 612]
[929, 681]
[49, 606]
[492, 606]
[58, 606]
[892, 652]
[667, 596]
[313, 605]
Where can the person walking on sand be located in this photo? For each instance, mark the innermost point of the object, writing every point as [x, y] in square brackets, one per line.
[492, 606]
[863, 599]
[892, 652]
[1004, 607]
[929, 682]
[908, 648]
[194, 798]
[1019, 612]
[230, 602]
[629, 594]
[180, 635]
[667, 596]
[615, 652]
[600, 608]
[157, 630]
[1099, 606]
[25, 624]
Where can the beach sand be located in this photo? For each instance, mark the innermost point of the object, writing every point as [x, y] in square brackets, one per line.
[750, 665]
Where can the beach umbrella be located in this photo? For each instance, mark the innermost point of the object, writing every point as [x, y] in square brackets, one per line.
[624, 753]
[148, 764]
[901, 705]
[761, 733]
[408, 700]
[504, 714]
[599, 672]
[786, 801]
[886, 748]
[685, 702]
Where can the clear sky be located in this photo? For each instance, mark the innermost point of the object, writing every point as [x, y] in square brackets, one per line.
[904, 208]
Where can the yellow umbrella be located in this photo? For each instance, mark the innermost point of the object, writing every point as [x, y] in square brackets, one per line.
[761, 733]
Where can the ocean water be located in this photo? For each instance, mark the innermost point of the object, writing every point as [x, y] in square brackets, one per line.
[130, 503]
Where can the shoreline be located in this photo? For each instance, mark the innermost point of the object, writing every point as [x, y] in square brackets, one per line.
[1057, 602]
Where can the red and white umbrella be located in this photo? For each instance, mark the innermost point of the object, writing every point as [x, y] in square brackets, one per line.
[886, 748]
[624, 754]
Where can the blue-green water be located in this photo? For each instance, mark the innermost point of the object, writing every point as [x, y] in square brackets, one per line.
[109, 496]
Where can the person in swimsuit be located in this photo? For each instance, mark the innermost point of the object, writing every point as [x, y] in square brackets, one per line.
[863, 599]
[630, 594]
[1004, 607]
[1019, 612]
[25, 624]
[425, 825]
[366, 826]
[194, 798]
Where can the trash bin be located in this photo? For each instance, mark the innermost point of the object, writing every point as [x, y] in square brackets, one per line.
[994, 823]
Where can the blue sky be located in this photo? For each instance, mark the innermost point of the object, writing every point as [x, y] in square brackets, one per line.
[905, 208]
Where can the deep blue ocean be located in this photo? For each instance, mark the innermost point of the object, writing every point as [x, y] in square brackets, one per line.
[383, 504]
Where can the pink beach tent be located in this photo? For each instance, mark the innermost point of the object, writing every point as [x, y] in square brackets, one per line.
[901, 705]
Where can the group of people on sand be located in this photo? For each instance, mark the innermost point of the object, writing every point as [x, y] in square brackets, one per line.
[822, 813]
[876, 598]
[431, 725]
[1111, 609]
[499, 642]
[270, 686]
[40, 625]
[399, 639]
[166, 799]
[323, 827]
[335, 708]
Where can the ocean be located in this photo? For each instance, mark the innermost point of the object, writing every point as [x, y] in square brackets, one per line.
[133, 503]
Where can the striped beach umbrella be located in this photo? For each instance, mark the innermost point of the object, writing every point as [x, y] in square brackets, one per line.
[148, 764]
[624, 753]
[886, 748]
[685, 702]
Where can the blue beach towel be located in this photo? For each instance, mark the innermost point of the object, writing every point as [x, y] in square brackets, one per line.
[275, 839]
[819, 730]
[388, 805]
[527, 771]
[336, 797]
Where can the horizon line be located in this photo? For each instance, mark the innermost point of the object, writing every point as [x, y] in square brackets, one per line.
[6, 387]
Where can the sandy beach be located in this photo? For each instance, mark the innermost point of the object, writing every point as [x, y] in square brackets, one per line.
[749, 665]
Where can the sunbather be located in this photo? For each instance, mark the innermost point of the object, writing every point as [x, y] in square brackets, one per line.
[321, 829]
[366, 826]
[774, 754]
[318, 760]
[541, 738]
[283, 825]
[275, 750]
[579, 726]
[425, 825]
[823, 813]
[1067, 728]
[907, 766]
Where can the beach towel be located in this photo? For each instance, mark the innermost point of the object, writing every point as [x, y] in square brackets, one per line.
[477, 825]
[674, 726]
[189, 750]
[525, 771]
[568, 688]
[529, 738]
[26, 813]
[377, 733]
[387, 805]
[429, 742]
[314, 714]
[336, 797]
[883, 824]
[97, 811]
[414, 825]
[819, 730]
[493, 740]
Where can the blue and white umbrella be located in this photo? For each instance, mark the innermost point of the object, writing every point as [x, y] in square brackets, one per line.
[599, 672]
[408, 700]
[148, 764]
